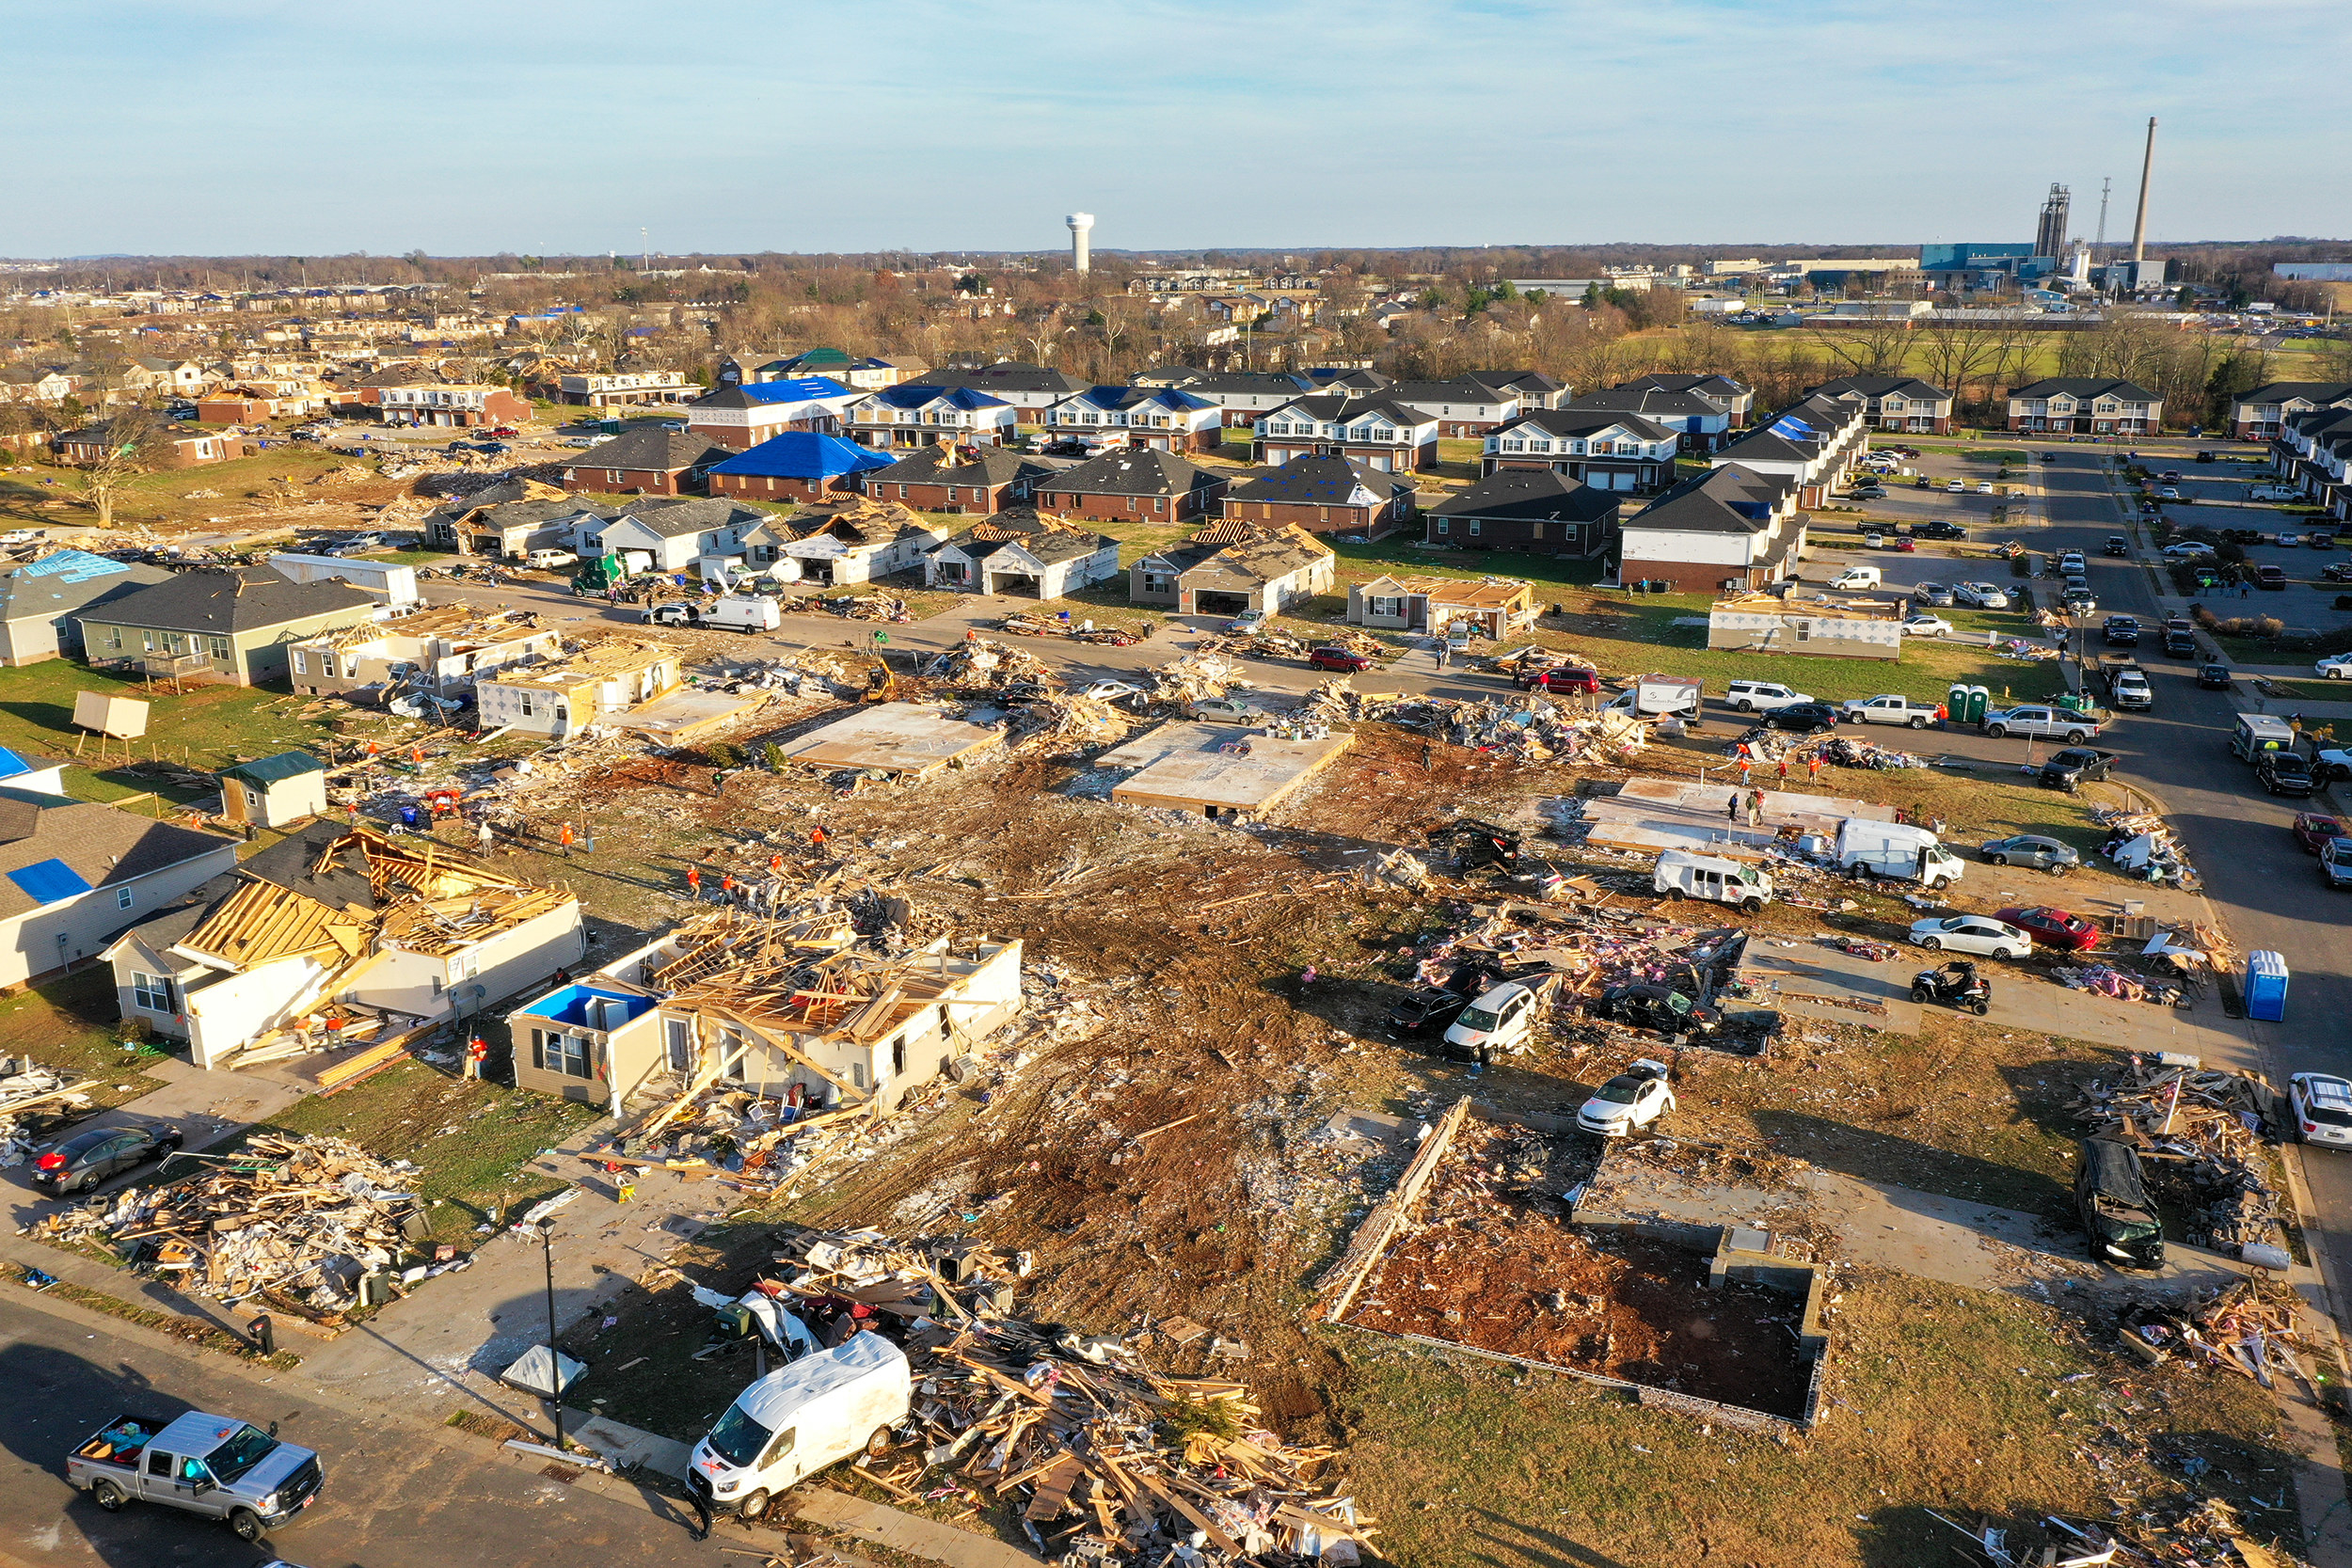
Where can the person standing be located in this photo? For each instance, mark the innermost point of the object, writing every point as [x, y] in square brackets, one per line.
[1427, 752]
[1746, 769]
[484, 835]
[694, 882]
[1813, 768]
[563, 840]
[816, 839]
[1756, 808]
[1731, 813]
[477, 1054]
[1784, 767]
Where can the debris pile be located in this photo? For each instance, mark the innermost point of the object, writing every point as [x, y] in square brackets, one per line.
[2249, 1328]
[1193, 678]
[1264, 643]
[29, 1095]
[979, 663]
[2199, 1133]
[2107, 980]
[1841, 750]
[2140, 845]
[1068, 722]
[286, 1219]
[2205, 1534]
[1529, 729]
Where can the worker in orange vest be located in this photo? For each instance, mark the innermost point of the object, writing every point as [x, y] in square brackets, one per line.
[563, 839]
[477, 1052]
[775, 865]
[694, 881]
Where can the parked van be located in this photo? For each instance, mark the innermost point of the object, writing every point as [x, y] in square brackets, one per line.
[1857, 576]
[548, 560]
[797, 1420]
[2257, 733]
[1654, 696]
[1680, 874]
[2112, 1198]
[1900, 850]
[744, 612]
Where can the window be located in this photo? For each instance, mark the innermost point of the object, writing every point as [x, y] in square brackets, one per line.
[301, 662]
[1473, 528]
[556, 1051]
[219, 649]
[1445, 525]
[113, 639]
[1389, 607]
[151, 993]
[123, 897]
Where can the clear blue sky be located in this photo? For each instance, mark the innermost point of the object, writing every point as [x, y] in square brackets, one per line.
[271, 126]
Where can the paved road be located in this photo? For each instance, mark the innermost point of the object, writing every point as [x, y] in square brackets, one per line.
[2268, 890]
[393, 1498]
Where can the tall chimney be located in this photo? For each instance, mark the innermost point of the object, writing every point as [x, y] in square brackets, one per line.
[1081, 225]
[2139, 224]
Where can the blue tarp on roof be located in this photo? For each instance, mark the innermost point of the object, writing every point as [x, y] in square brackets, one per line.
[916, 394]
[589, 1007]
[50, 882]
[801, 389]
[12, 764]
[803, 455]
[74, 566]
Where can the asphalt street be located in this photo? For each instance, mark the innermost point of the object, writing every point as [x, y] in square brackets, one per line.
[394, 1498]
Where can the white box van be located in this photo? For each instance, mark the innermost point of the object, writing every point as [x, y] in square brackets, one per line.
[1680, 874]
[2257, 733]
[797, 1420]
[745, 612]
[1654, 696]
[1898, 850]
[1857, 576]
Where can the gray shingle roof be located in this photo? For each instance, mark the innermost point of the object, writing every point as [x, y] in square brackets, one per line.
[104, 846]
[222, 603]
[1318, 482]
[1530, 495]
[1133, 473]
[651, 448]
[46, 589]
[1729, 499]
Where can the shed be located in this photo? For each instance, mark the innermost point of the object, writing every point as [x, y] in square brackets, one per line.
[271, 792]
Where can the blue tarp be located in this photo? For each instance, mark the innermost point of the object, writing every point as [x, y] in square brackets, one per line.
[12, 763]
[803, 455]
[74, 566]
[50, 882]
[801, 389]
[573, 1006]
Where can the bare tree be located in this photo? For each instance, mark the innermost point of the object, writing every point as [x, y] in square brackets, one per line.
[1962, 358]
[1876, 349]
[131, 443]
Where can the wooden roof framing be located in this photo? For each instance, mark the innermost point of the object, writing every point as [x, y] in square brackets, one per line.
[262, 921]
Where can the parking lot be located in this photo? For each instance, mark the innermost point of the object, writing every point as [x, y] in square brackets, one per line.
[2216, 496]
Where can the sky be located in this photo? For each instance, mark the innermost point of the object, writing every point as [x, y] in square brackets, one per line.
[548, 127]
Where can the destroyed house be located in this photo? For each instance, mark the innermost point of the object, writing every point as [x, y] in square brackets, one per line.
[1023, 552]
[788, 1007]
[1267, 573]
[228, 626]
[672, 535]
[441, 653]
[511, 529]
[381, 936]
[564, 699]
[857, 544]
[1814, 624]
[1494, 606]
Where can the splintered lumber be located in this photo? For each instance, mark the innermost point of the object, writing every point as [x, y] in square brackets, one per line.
[343, 1074]
[1053, 1487]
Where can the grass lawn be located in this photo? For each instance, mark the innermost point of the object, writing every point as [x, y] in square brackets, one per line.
[1937, 1398]
[277, 474]
[468, 1138]
[408, 558]
[206, 726]
[70, 1022]
[1625, 636]
[2312, 691]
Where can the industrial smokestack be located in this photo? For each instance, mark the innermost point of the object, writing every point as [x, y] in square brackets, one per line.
[1081, 225]
[2139, 224]
[2049, 235]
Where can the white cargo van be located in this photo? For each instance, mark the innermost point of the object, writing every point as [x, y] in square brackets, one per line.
[1857, 576]
[1656, 696]
[745, 612]
[1898, 850]
[797, 1420]
[1680, 874]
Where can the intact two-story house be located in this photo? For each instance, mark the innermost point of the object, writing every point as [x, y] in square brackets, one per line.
[1898, 403]
[2262, 414]
[2085, 406]
[1165, 419]
[919, 414]
[1372, 430]
[1606, 451]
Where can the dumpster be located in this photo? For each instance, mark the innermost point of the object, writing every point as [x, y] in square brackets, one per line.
[2265, 987]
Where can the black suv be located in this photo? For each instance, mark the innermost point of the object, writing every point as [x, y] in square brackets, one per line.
[1427, 1012]
[1659, 1007]
[2284, 773]
[2179, 643]
[2118, 544]
[1805, 718]
[2212, 677]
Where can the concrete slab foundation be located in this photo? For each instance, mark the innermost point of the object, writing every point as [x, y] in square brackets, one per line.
[1218, 768]
[904, 738]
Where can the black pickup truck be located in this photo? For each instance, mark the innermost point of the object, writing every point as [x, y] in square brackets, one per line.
[2071, 768]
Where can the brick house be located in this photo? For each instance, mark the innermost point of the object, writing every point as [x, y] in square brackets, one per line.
[1897, 402]
[1324, 495]
[979, 480]
[1728, 531]
[235, 405]
[2085, 406]
[647, 461]
[742, 417]
[164, 449]
[1533, 509]
[1379, 434]
[799, 465]
[1162, 418]
[1131, 485]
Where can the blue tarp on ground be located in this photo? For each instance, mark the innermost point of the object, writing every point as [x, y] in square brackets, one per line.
[803, 455]
[50, 882]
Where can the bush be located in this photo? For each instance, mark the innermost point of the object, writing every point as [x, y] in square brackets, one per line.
[723, 753]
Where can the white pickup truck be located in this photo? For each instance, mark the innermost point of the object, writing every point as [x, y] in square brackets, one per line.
[209, 1464]
[1889, 710]
[2043, 723]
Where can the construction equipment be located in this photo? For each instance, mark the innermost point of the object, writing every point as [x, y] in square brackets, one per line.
[882, 684]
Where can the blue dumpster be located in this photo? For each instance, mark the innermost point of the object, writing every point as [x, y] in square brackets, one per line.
[2265, 987]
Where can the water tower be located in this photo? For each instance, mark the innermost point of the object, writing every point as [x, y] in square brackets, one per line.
[1081, 225]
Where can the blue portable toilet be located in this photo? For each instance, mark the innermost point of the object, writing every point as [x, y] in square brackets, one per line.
[2265, 987]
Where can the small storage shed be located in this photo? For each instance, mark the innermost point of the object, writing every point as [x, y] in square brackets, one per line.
[271, 792]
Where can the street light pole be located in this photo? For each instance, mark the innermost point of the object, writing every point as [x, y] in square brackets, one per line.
[555, 1359]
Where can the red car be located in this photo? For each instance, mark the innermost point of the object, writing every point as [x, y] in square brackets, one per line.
[507, 429]
[2313, 831]
[1337, 658]
[2054, 927]
[1560, 677]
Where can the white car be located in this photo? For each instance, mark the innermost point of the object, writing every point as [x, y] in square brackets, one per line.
[1637, 1096]
[1926, 626]
[2335, 667]
[2290, 540]
[1984, 487]
[2333, 766]
[1498, 1020]
[1112, 691]
[2323, 1107]
[1888, 708]
[1982, 595]
[1247, 622]
[1957, 486]
[2072, 562]
[2186, 549]
[18, 536]
[1971, 934]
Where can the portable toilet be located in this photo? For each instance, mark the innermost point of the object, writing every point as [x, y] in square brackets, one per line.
[608, 427]
[1980, 701]
[1956, 702]
[2075, 702]
[2265, 987]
